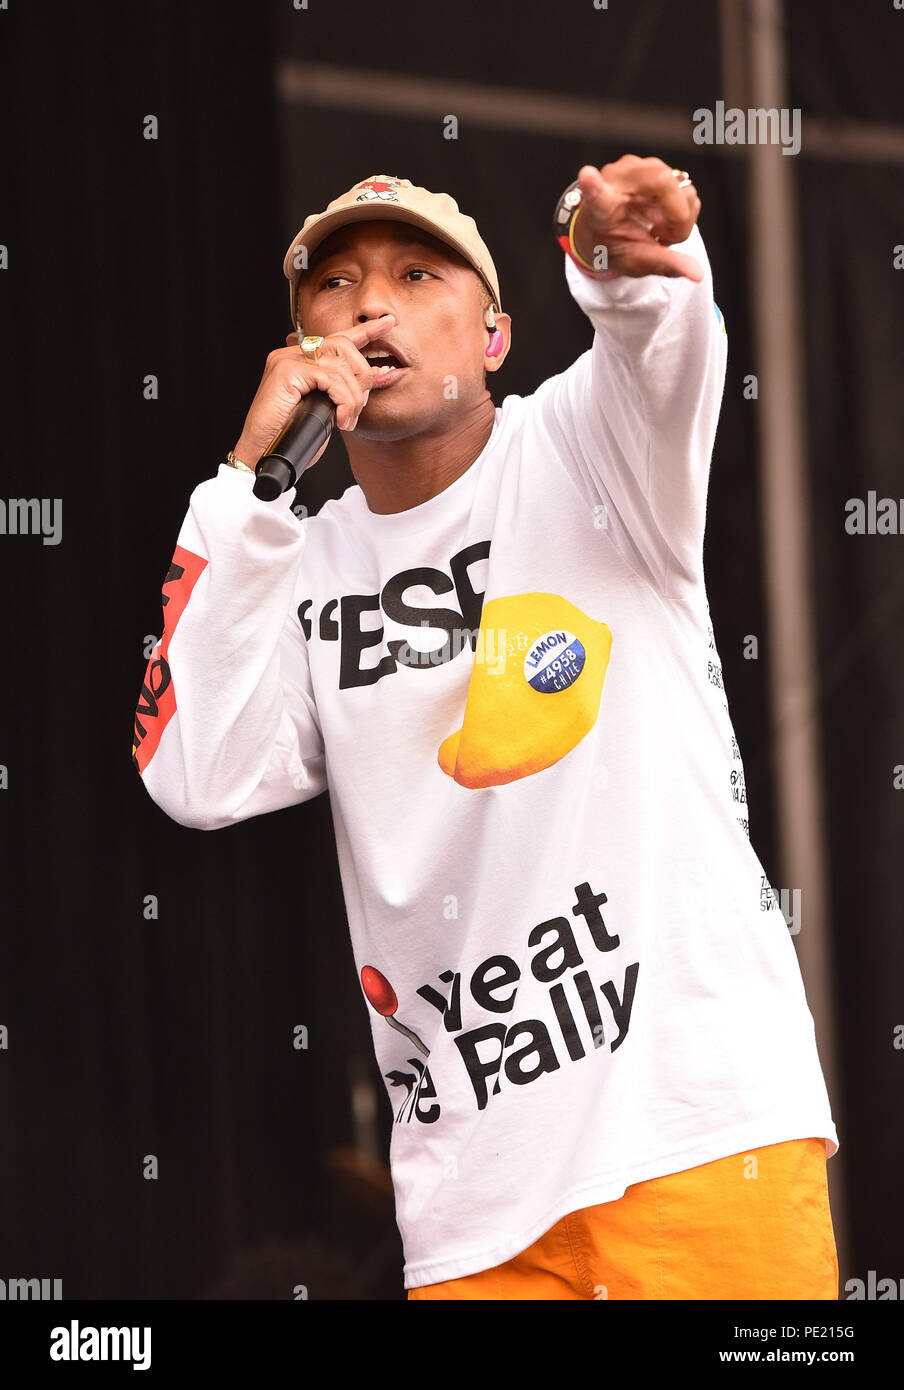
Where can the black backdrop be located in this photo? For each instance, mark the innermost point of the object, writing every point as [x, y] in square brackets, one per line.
[171, 1035]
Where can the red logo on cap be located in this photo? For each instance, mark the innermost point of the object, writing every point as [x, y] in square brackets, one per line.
[378, 186]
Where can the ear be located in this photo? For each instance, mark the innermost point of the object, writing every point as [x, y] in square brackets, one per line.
[504, 325]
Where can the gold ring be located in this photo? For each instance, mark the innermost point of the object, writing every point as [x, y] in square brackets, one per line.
[311, 345]
[683, 177]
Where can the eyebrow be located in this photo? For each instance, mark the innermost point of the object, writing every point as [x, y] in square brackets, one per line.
[342, 246]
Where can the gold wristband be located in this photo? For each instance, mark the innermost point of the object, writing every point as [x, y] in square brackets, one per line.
[237, 463]
[579, 259]
[576, 252]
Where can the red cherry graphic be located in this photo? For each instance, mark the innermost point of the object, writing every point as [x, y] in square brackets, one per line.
[380, 993]
[383, 1000]
[378, 186]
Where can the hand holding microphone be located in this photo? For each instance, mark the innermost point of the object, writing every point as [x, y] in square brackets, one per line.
[337, 385]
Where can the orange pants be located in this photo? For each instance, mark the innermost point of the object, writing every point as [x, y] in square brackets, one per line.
[755, 1225]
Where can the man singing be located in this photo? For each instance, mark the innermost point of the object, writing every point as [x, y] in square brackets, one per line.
[495, 652]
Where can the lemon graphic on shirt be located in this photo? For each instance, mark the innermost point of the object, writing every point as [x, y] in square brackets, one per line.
[534, 692]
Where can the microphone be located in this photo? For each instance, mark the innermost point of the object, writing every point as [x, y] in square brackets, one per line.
[293, 448]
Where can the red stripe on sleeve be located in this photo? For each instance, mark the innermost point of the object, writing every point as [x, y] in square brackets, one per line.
[157, 703]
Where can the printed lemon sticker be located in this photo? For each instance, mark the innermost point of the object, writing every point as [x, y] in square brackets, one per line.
[554, 662]
[534, 692]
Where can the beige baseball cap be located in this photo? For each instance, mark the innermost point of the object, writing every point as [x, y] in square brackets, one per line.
[398, 200]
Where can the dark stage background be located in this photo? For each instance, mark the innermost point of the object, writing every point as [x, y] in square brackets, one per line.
[129, 257]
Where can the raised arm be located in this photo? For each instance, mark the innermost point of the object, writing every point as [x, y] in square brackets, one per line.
[636, 415]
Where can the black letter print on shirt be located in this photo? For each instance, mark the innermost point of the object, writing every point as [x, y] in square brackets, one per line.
[447, 619]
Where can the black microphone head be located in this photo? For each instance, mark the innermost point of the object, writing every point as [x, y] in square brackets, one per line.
[275, 480]
[295, 446]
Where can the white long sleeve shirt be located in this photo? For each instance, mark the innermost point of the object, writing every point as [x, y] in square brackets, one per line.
[576, 972]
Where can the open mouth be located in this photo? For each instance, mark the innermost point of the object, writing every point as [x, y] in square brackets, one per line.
[385, 360]
[387, 363]
[387, 366]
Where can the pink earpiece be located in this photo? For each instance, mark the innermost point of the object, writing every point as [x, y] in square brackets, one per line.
[496, 343]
